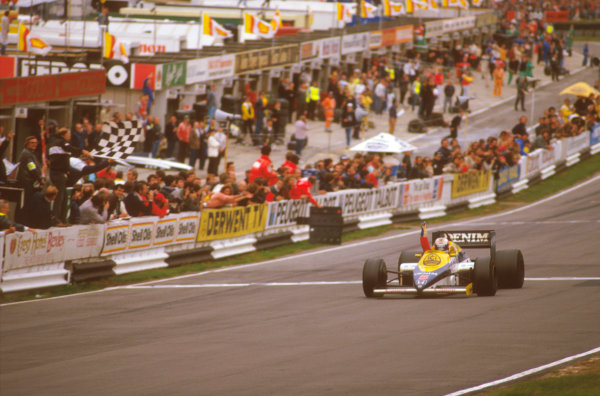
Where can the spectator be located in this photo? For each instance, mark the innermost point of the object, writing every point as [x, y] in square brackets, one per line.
[29, 174]
[392, 116]
[455, 123]
[8, 226]
[586, 54]
[116, 208]
[5, 23]
[94, 210]
[38, 211]
[211, 101]
[225, 197]
[328, 108]
[498, 75]
[213, 153]
[263, 167]
[313, 97]
[151, 133]
[78, 137]
[139, 201]
[183, 135]
[148, 91]
[449, 91]
[260, 107]
[301, 134]
[521, 90]
[59, 154]
[171, 135]
[348, 122]
[444, 151]
[247, 118]
[157, 138]
[520, 129]
[195, 143]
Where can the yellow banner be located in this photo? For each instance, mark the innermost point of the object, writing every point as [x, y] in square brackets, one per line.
[470, 183]
[231, 222]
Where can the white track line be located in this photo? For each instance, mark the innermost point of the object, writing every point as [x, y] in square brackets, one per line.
[218, 285]
[313, 283]
[326, 250]
[525, 373]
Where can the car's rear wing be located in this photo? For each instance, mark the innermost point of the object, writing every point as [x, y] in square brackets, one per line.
[482, 239]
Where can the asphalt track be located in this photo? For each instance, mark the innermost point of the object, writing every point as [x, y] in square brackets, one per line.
[301, 325]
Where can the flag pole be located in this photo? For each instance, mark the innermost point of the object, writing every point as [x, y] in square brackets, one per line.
[83, 19]
[199, 35]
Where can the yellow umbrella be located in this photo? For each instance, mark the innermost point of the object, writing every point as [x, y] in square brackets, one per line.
[580, 89]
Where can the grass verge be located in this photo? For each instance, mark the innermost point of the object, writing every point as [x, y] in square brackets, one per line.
[579, 379]
[568, 177]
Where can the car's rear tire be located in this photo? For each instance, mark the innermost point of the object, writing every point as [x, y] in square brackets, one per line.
[485, 282]
[510, 268]
[374, 276]
[407, 257]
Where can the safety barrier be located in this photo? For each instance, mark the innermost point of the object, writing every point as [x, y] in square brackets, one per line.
[79, 253]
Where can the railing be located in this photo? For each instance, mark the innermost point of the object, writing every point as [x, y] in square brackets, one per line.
[59, 255]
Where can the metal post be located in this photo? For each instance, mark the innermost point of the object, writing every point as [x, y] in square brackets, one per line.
[199, 41]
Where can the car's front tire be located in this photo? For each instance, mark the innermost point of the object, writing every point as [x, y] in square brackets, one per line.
[374, 276]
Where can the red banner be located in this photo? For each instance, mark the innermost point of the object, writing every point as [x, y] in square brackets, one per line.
[22, 90]
[8, 66]
[557, 16]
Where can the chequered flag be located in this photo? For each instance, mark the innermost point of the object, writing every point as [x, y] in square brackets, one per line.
[118, 139]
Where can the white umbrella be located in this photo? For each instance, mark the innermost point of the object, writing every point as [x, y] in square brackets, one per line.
[384, 143]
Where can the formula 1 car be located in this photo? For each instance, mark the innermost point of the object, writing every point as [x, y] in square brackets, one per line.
[441, 273]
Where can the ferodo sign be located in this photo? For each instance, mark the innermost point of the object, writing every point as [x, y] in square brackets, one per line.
[231, 222]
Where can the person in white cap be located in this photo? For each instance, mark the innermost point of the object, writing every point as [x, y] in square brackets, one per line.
[348, 122]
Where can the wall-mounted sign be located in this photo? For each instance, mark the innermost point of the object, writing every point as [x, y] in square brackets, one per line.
[352, 43]
[211, 68]
[20, 90]
[265, 58]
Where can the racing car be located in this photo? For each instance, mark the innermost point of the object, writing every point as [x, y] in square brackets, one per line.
[442, 273]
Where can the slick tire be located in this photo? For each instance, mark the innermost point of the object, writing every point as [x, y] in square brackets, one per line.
[485, 281]
[374, 276]
[407, 257]
[510, 268]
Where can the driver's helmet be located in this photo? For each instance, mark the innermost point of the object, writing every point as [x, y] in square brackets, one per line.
[441, 244]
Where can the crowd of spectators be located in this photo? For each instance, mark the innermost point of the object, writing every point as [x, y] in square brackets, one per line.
[417, 82]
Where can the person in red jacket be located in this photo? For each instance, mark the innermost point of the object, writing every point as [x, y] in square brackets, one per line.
[302, 188]
[291, 162]
[262, 167]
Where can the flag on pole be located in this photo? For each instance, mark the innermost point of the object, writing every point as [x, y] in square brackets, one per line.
[464, 4]
[276, 21]
[391, 8]
[367, 10]
[311, 17]
[254, 25]
[114, 48]
[412, 5]
[30, 43]
[211, 28]
[433, 5]
[344, 13]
